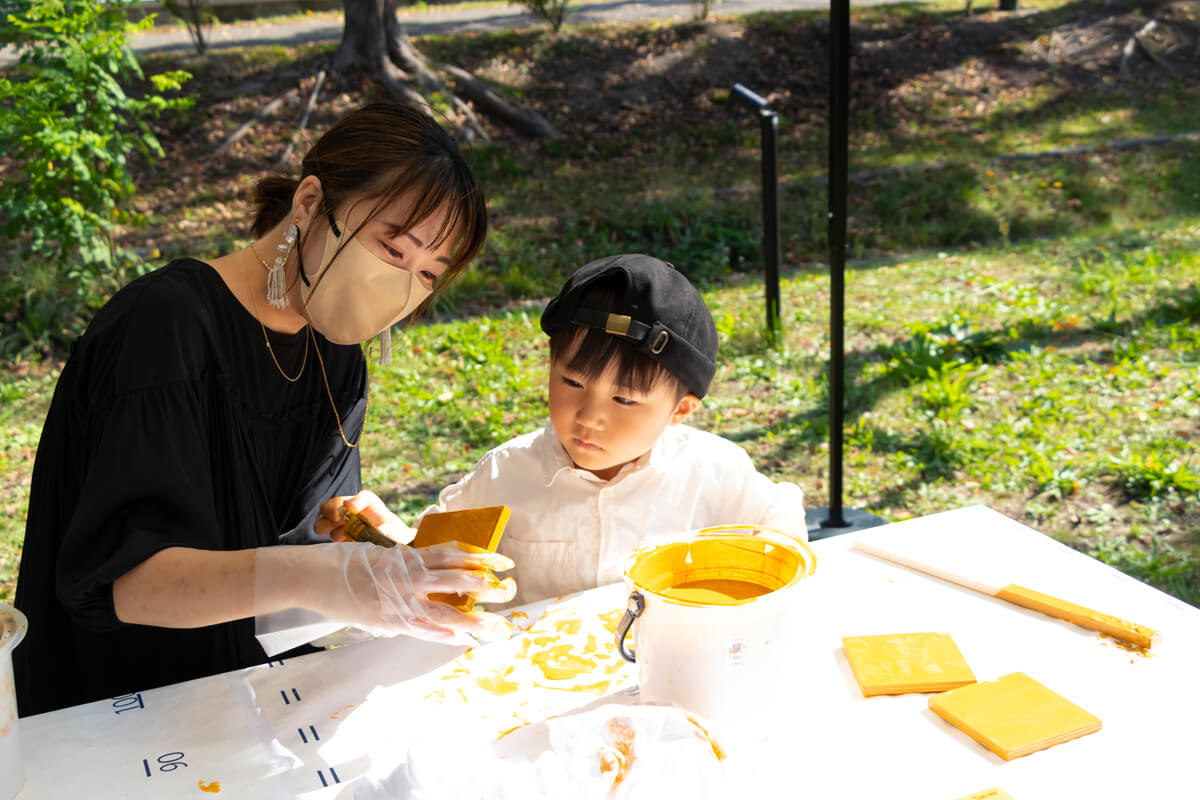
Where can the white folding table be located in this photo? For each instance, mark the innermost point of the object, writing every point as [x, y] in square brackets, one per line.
[315, 726]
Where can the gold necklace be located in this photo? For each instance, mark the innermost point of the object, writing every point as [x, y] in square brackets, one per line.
[337, 417]
[267, 339]
[271, 350]
[254, 250]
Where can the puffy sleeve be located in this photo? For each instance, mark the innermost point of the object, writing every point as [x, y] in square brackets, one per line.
[147, 486]
[147, 441]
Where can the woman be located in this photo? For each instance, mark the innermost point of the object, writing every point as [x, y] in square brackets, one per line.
[210, 409]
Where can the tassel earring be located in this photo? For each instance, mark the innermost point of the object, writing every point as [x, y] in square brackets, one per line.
[385, 346]
[276, 283]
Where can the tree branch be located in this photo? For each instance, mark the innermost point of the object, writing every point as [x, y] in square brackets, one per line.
[401, 49]
[527, 122]
[266, 111]
[312, 101]
[1131, 46]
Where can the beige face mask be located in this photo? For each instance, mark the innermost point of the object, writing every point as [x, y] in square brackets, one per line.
[361, 295]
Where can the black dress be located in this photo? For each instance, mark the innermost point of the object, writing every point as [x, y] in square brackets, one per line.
[170, 426]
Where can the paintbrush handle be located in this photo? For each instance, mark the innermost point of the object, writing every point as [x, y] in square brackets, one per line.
[923, 565]
[1085, 617]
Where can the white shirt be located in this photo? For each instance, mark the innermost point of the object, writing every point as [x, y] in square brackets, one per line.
[570, 530]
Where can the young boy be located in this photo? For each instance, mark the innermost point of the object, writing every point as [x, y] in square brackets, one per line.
[633, 350]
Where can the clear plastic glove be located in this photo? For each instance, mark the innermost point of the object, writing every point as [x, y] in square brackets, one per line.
[385, 590]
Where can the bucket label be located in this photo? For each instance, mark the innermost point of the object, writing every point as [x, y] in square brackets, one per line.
[736, 650]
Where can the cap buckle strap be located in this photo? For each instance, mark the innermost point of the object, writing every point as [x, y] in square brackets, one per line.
[660, 342]
[617, 324]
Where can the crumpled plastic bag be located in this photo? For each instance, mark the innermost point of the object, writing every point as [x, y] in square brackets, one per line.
[611, 752]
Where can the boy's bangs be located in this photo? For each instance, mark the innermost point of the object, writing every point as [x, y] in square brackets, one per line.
[597, 350]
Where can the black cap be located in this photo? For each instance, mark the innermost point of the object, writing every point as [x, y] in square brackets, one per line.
[656, 309]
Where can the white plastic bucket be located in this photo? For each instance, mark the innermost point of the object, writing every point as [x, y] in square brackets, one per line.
[713, 616]
[12, 630]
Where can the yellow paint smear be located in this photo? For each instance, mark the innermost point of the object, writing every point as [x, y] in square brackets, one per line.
[334, 715]
[619, 756]
[1013, 716]
[1082, 616]
[718, 751]
[496, 683]
[519, 615]
[559, 663]
[212, 787]
[1128, 647]
[568, 626]
[611, 619]
[900, 663]
[510, 730]
[993, 793]
[591, 688]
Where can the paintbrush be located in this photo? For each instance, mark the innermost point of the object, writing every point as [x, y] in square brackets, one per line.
[1123, 629]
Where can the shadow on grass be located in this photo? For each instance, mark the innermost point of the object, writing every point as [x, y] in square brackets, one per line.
[935, 449]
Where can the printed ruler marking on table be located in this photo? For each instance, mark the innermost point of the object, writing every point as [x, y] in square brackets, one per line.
[312, 730]
[167, 762]
[127, 702]
[332, 773]
[283, 694]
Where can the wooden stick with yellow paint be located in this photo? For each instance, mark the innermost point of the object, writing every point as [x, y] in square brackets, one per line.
[1023, 596]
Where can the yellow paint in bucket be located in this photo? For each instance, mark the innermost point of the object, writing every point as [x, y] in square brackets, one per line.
[725, 566]
[714, 620]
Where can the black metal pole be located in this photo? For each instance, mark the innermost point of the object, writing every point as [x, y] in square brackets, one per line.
[769, 123]
[839, 101]
[770, 191]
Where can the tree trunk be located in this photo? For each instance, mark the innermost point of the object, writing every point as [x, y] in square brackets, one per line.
[373, 41]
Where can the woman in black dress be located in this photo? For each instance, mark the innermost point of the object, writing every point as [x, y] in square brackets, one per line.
[212, 408]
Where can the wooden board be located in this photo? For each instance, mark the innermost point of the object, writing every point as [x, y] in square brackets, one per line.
[1013, 716]
[479, 527]
[903, 663]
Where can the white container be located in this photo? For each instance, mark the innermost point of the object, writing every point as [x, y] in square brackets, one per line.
[12, 630]
[713, 617]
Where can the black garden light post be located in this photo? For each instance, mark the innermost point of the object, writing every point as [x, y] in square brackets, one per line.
[821, 522]
[769, 122]
[835, 519]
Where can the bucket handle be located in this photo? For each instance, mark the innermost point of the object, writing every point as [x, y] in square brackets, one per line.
[633, 610]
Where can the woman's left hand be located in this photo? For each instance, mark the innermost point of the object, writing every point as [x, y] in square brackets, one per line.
[331, 523]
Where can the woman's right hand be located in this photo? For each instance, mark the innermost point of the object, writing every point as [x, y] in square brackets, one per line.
[331, 523]
[386, 589]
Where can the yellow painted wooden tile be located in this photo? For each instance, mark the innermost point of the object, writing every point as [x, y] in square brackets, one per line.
[481, 527]
[1013, 716]
[478, 526]
[900, 663]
